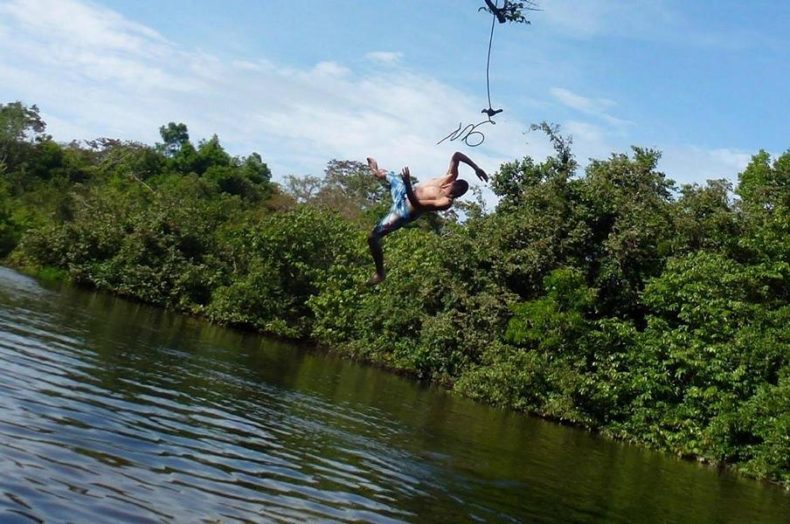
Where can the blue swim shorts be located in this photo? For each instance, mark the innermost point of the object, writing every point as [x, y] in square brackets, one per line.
[401, 212]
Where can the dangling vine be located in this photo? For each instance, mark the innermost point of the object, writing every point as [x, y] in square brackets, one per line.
[509, 12]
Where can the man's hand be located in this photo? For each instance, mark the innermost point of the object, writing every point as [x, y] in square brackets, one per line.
[481, 174]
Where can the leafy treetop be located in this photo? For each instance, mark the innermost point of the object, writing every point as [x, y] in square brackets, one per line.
[510, 11]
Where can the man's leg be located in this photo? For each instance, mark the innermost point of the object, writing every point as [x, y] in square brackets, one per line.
[374, 239]
[395, 219]
[388, 224]
[374, 242]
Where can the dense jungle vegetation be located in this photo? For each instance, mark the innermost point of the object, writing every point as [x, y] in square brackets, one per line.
[610, 299]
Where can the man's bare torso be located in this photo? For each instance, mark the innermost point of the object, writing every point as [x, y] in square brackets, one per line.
[432, 194]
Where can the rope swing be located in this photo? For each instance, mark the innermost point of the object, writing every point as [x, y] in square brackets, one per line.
[511, 11]
[497, 15]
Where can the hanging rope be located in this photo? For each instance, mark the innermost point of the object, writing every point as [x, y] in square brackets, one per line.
[496, 15]
[470, 132]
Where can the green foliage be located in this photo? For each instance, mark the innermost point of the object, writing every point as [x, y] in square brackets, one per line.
[114, 159]
[556, 321]
[433, 315]
[764, 185]
[508, 377]
[347, 188]
[604, 299]
[628, 204]
[615, 224]
[705, 219]
[578, 363]
[175, 137]
[716, 335]
[756, 435]
[510, 11]
[255, 170]
[19, 123]
[9, 231]
[764, 189]
[278, 265]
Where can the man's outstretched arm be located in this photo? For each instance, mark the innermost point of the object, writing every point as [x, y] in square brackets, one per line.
[455, 160]
[406, 176]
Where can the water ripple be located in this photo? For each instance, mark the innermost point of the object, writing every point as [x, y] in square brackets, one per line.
[111, 411]
[165, 443]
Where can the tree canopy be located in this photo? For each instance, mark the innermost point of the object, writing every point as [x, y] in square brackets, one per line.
[609, 298]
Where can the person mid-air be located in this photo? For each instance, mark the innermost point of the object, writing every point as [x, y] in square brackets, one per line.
[437, 194]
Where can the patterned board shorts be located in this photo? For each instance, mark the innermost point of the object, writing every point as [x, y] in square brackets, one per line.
[401, 212]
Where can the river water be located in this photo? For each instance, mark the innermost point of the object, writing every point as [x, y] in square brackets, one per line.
[114, 411]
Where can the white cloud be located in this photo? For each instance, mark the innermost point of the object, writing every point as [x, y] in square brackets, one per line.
[330, 69]
[665, 21]
[384, 57]
[124, 80]
[685, 164]
[591, 18]
[94, 73]
[83, 25]
[690, 164]
[655, 20]
[587, 105]
[596, 107]
[246, 64]
[585, 132]
[77, 42]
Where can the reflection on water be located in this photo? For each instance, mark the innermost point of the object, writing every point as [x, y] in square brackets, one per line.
[111, 410]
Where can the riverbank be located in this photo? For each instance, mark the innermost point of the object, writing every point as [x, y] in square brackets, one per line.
[54, 276]
[611, 299]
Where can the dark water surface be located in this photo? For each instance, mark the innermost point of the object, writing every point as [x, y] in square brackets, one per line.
[112, 411]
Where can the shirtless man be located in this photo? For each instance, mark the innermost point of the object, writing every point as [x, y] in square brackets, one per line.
[408, 204]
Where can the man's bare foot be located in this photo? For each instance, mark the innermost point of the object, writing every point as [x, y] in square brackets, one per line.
[376, 279]
[374, 168]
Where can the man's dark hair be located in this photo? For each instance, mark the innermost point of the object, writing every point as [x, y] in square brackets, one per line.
[459, 188]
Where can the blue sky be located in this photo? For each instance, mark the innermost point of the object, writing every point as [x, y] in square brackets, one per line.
[301, 83]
